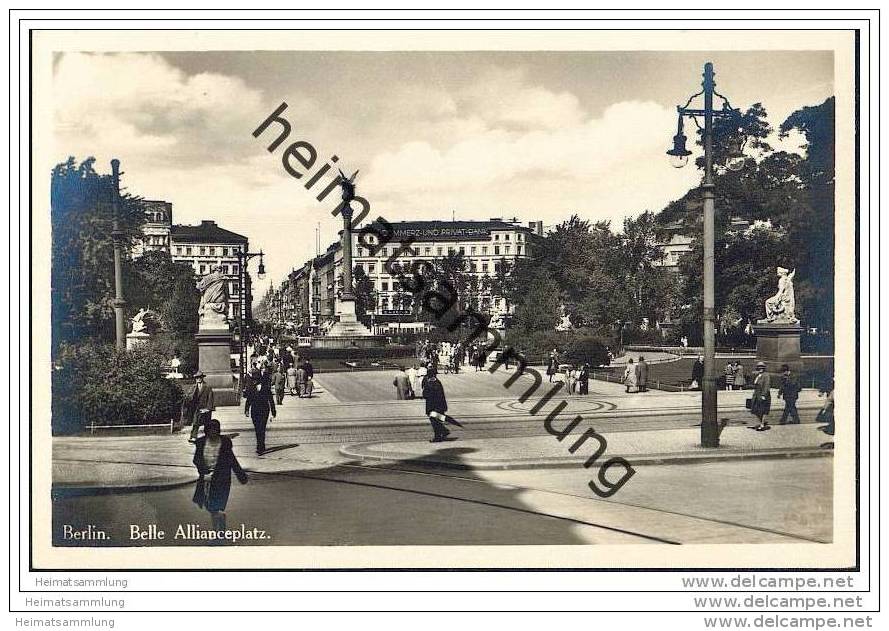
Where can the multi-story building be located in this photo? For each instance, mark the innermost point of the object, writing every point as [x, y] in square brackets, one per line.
[206, 245]
[157, 227]
[483, 244]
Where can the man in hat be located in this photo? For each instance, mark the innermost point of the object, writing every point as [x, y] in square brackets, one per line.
[198, 406]
[761, 401]
[789, 391]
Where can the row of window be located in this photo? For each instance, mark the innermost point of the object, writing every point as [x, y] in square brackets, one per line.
[210, 250]
[481, 266]
[440, 251]
[369, 238]
[155, 240]
[203, 268]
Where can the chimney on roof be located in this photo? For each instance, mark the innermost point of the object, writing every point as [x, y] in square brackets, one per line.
[207, 222]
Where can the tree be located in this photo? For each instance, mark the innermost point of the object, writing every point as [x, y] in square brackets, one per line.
[538, 308]
[157, 282]
[82, 274]
[365, 295]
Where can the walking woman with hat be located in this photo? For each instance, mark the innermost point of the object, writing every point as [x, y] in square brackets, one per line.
[437, 406]
[761, 401]
[215, 461]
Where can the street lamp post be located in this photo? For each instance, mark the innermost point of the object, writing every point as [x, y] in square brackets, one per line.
[243, 325]
[120, 327]
[679, 157]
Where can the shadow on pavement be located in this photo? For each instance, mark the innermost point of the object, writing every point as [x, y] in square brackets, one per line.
[343, 504]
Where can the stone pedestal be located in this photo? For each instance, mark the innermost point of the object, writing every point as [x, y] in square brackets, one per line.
[778, 343]
[137, 339]
[348, 324]
[214, 360]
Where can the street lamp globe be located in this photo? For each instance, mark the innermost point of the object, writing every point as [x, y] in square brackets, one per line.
[260, 272]
[677, 161]
[679, 154]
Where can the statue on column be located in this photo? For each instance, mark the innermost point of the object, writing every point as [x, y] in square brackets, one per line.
[782, 306]
[214, 299]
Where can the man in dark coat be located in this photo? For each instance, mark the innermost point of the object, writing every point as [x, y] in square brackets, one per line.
[437, 406]
[214, 457]
[260, 402]
[697, 373]
[584, 379]
[307, 386]
[789, 391]
[197, 406]
[642, 374]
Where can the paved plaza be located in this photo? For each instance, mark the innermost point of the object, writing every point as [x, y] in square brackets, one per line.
[352, 465]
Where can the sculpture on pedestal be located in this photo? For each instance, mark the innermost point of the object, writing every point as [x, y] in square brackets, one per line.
[782, 306]
[214, 300]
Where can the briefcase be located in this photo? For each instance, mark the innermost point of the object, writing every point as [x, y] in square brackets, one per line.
[749, 404]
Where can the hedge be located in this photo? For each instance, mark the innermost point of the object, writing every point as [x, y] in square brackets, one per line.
[99, 385]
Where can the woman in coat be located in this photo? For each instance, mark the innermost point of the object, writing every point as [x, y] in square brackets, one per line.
[761, 401]
[630, 376]
[437, 407]
[740, 377]
[215, 460]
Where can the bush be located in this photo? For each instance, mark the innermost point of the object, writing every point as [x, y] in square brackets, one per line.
[96, 384]
[588, 350]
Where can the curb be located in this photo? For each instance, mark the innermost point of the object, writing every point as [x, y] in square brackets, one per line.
[361, 452]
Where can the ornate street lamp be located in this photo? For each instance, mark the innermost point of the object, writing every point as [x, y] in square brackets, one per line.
[243, 296]
[678, 158]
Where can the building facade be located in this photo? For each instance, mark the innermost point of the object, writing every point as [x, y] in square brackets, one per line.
[206, 245]
[316, 286]
[157, 227]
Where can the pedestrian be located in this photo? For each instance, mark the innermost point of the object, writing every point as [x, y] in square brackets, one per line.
[761, 401]
[437, 407]
[553, 366]
[697, 374]
[215, 460]
[740, 377]
[198, 406]
[630, 376]
[584, 379]
[789, 391]
[279, 382]
[258, 406]
[308, 378]
[402, 384]
[728, 376]
[570, 380]
[292, 383]
[642, 374]
[413, 378]
[825, 414]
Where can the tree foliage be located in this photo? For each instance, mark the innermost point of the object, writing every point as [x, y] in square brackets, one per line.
[82, 275]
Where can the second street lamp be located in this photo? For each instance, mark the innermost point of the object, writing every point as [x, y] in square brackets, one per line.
[244, 311]
[710, 428]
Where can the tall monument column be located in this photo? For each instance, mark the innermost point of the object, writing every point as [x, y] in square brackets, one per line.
[348, 293]
[347, 326]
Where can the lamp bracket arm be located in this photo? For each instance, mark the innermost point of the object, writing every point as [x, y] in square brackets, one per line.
[690, 99]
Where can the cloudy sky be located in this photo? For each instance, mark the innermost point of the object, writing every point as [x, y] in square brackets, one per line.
[471, 135]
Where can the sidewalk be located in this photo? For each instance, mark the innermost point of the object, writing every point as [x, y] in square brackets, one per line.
[113, 465]
[676, 446]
